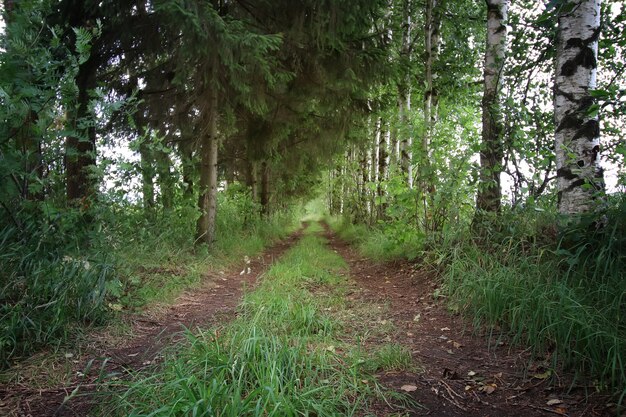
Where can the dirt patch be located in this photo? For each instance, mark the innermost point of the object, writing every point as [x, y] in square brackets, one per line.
[212, 303]
[465, 373]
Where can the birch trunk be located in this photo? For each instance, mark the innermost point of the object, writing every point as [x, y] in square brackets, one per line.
[404, 93]
[383, 164]
[432, 38]
[577, 137]
[207, 201]
[489, 194]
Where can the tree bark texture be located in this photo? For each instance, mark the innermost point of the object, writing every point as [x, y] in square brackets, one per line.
[577, 137]
[207, 201]
[265, 189]
[80, 147]
[404, 101]
[489, 194]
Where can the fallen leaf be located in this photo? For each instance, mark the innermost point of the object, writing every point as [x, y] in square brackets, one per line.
[488, 389]
[69, 355]
[543, 375]
[417, 318]
[561, 410]
[457, 345]
[444, 329]
[408, 388]
[554, 401]
[331, 348]
[471, 373]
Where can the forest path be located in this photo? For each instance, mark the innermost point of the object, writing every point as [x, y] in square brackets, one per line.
[212, 302]
[463, 373]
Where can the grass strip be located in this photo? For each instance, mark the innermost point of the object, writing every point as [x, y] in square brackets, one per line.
[286, 354]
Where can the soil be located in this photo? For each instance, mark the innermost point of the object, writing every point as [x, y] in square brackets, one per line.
[212, 303]
[463, 372]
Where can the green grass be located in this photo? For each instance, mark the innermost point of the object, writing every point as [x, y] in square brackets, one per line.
[393, 357]
[286, 354]
[381, 243]
[568, 303]
[566, 300]
[54, 286]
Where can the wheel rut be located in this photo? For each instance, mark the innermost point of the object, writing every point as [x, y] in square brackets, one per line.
[212, 303]
[464, 372]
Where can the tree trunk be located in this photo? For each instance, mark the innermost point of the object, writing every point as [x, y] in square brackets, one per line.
[577, 138]
[265, 189]
[491, 154]
[147, 178]
[207, 201]
[165, 180]
[186, 152]
[432, 25]
[80, 147]
[404, 101]
[383, 164]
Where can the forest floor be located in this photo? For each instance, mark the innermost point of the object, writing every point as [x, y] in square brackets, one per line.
[462, 372]
[78, 376]
[459, 372]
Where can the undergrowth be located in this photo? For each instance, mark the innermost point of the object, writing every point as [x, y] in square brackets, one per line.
[62, 275]
[281, 357]
[566, 300]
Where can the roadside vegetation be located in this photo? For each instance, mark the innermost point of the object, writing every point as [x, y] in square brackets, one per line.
[560, 293]
[54, 289]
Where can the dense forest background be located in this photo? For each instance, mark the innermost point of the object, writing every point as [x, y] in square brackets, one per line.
[482, 139]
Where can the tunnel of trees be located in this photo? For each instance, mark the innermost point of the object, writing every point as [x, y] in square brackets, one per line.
[490, 126]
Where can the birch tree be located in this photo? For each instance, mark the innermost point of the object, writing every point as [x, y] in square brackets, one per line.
[432, 39]
[577, 137]
[404, 98]
[491, 154]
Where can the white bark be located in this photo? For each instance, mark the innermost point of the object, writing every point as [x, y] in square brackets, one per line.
[406, 141]
[577, 137]
[432, 25]
[491, 154]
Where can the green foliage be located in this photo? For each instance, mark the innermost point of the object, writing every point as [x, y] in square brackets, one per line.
[392, 357]
[48, 284]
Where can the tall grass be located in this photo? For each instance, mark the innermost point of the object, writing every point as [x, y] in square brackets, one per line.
[68, 270]
[383, 242]
[566, 299]
[46, 286]
[280, 357]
